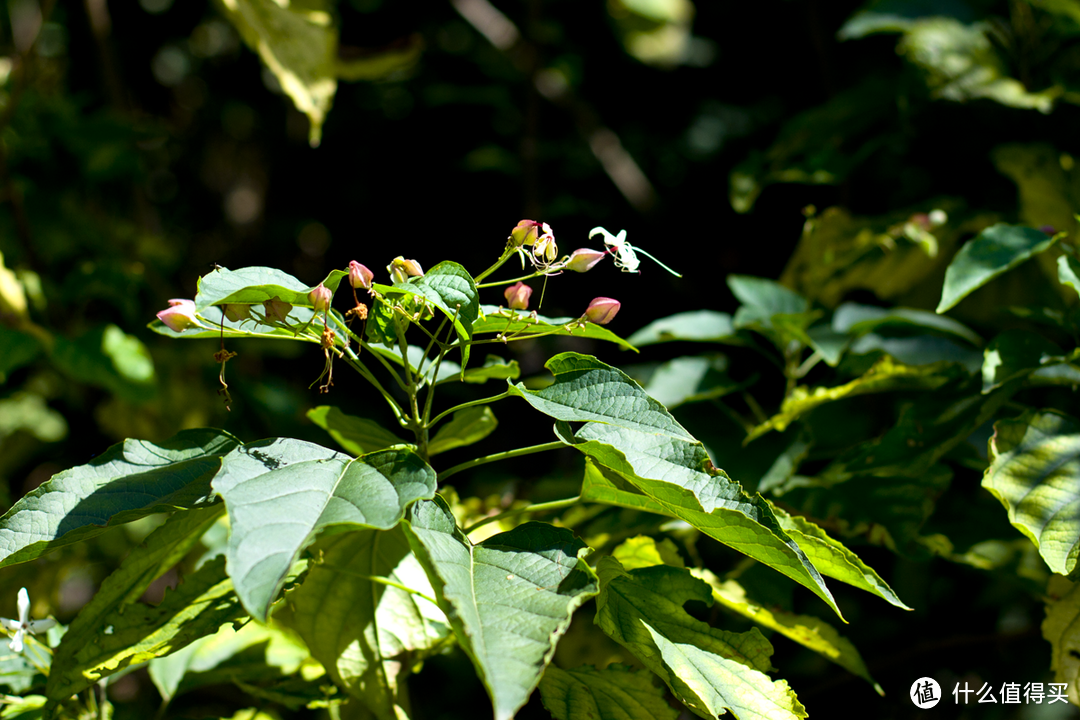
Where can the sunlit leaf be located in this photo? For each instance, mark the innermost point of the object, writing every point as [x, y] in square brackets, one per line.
[614, 693]
[1035, 473]
[356, 435]
[509, 598]
[466, 427]
[495, 319]
[709, 670]
[281, 493]
[365, 612]
[494, 368]
[1016, 353]
[993, 251]
[128, 481]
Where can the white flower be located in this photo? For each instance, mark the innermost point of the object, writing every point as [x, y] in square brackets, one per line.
[626, 254]
[24, 624]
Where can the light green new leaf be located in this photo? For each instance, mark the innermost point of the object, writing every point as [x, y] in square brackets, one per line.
[511, 323]
[356, 434]
[281, 493]
[198, 607]
[466, 427]
[615, 693]
[1062, 629]
[1035, 473]
[509, 599]
[297, 40]
[366, 614]
[993, 251]
[695, 326]
[1069, 272]
[449, 287]
[253, 653]
[886, 375]
[128, 481]
[109, 358]
[709, 670]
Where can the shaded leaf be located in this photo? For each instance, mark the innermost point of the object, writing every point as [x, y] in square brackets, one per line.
[857, 319]
[709, 670]
[356, 435]
[509, 598]
[695, 326]
[1062, 630]
[365, 613]
[495, 319]
[128, 481]
[1035, 473]
[1014, 354]
[494, 368]
[466, 427]
[280, 493]
[993, 251]
[690, 379]
[615, 693]
[19, 349]
[108, 357]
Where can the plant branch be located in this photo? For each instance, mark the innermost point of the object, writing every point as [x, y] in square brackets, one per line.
[500, 456]
[537, 508]
[462, 406]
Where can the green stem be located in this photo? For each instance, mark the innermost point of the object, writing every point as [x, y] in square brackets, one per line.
[500, 456]
[497, 283]
[537, 508]
[354, 360]
[507, 254]
[462, 406]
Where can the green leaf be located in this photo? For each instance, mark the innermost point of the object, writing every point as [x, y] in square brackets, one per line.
[365, 612]
[884, 376]
[695, 326]
[494, 368]
[158, 553]
[709, 670]
[856, 319]
[993, 251]
[19, 349]
[198, 607]
[255, 285]
[1035, 473]
[297, 41]
[768, 307]
[690, 379]
[615, 693]
[919, 350]
[587, 390]
[252, 653]
[356, 435]
[449, 287]
[1069, 272]
[466, 427]
[1062, 630]
[1015, 354]
[280, 493]
[128, 481]
[109, 358]
[509, 599]
[510, 323]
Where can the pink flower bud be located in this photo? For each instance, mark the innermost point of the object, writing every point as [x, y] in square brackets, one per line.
[360, 276]
[583, 259]
[180, 315]
[401, 269]
[517, 296]
[320, 298]
[524, 233]
[277, 309]
[237, 312]
[602, 310]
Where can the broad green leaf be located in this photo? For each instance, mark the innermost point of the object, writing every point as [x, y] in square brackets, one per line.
[644, 551]
[672, 480]
[509, 598]
[255, 285]
[128, 481]
[356, 435]
[709, 670]
[1017, 353]
[449, 287]
[809, 631]
[768, 307]
[993, 251]
[587, 390]
[1062, 630]
[690, 379]
[280, 493]
[252, 653]
[828, 343]
[161, 550]
[615, 693]
[510, 323]
[694, 326]
[494, 368]
[297, 41]
[1069, 272]
[1035, 473]
[366, 614]
[884, 376]
[834, 560]
[198, 607]
[857, 319]
[466, 427]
